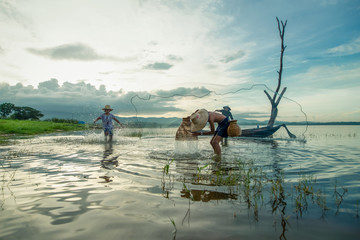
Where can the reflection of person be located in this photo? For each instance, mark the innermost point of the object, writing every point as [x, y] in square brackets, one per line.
[106, 119]
[109, 160]
[226, 112]
[198, 121]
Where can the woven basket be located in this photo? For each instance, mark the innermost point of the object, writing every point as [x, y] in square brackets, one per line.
[183, 132]
[233, 130]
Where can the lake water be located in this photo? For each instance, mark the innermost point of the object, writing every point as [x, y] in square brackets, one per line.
[77, 186]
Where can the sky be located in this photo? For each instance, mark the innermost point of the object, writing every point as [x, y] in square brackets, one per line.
[167, 58]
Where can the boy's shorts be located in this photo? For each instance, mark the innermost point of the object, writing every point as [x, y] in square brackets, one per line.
[109, 131]
[221, 130]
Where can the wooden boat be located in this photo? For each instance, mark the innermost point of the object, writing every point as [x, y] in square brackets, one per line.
[264, 132]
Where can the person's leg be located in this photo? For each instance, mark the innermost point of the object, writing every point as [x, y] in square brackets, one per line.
[215, 144]
[106, 133]
[110, 134]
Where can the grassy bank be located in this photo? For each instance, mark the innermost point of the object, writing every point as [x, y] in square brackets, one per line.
[10, 128]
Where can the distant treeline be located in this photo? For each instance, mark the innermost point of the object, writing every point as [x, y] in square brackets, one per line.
[9, 110]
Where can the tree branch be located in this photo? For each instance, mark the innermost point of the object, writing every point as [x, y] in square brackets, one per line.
[280, 96]
[268, 95]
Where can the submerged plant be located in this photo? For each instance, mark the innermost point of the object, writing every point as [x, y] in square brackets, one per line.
[303, 190]
[174, 225]
[321, 201]
[339, 197]
[188, 192]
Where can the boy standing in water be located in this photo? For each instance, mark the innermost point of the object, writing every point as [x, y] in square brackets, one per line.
[106, 119]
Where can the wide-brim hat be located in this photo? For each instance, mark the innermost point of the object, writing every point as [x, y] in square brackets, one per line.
[199, 120]
[107, 107]
[224, 107]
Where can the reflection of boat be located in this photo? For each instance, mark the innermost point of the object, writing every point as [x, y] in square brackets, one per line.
[264, 131]
[206, 195]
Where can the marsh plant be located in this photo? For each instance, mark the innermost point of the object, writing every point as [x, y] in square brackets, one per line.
[167, 180]
[6, 158]
[304, 191]
[339, 196]
[257, 187]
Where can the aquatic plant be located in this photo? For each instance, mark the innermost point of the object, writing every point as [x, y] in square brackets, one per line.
[7, 178]
[188, 192]
[167, 184]
[321, 202]
[174, 225]
[167, 166]
[339, 197]
[303, 189]
[134, 134]
[14, 154]
[278, 195]
[255, 187]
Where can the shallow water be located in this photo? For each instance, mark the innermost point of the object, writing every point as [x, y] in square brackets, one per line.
[77, 186]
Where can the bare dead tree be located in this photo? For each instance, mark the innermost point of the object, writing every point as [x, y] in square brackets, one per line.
[275, 100]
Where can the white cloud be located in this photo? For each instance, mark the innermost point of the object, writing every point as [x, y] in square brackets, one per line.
[350, 48]
[325, 77]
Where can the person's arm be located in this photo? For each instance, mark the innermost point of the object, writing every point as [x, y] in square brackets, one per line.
[231, 116]
[97, 119]
[118, 122]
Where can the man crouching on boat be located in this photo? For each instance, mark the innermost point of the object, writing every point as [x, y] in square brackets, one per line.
[198, 121]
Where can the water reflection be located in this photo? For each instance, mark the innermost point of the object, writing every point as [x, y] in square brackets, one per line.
[206, 195]
[250, 183]
[83, 186]
[109, 160]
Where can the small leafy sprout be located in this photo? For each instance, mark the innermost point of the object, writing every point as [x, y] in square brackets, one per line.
[166, 167]
[173, 223]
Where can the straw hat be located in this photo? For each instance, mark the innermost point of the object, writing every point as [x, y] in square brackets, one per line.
[107, 107]
[199, 120]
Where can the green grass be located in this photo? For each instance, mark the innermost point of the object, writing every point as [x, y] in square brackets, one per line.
[9, 128]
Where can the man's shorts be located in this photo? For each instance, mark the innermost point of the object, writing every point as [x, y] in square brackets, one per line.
[221, 130]
[108, 130]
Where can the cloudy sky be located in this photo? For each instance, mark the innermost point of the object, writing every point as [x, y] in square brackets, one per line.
[168, 58]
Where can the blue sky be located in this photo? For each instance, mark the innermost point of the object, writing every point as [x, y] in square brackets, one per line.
[75, 56]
